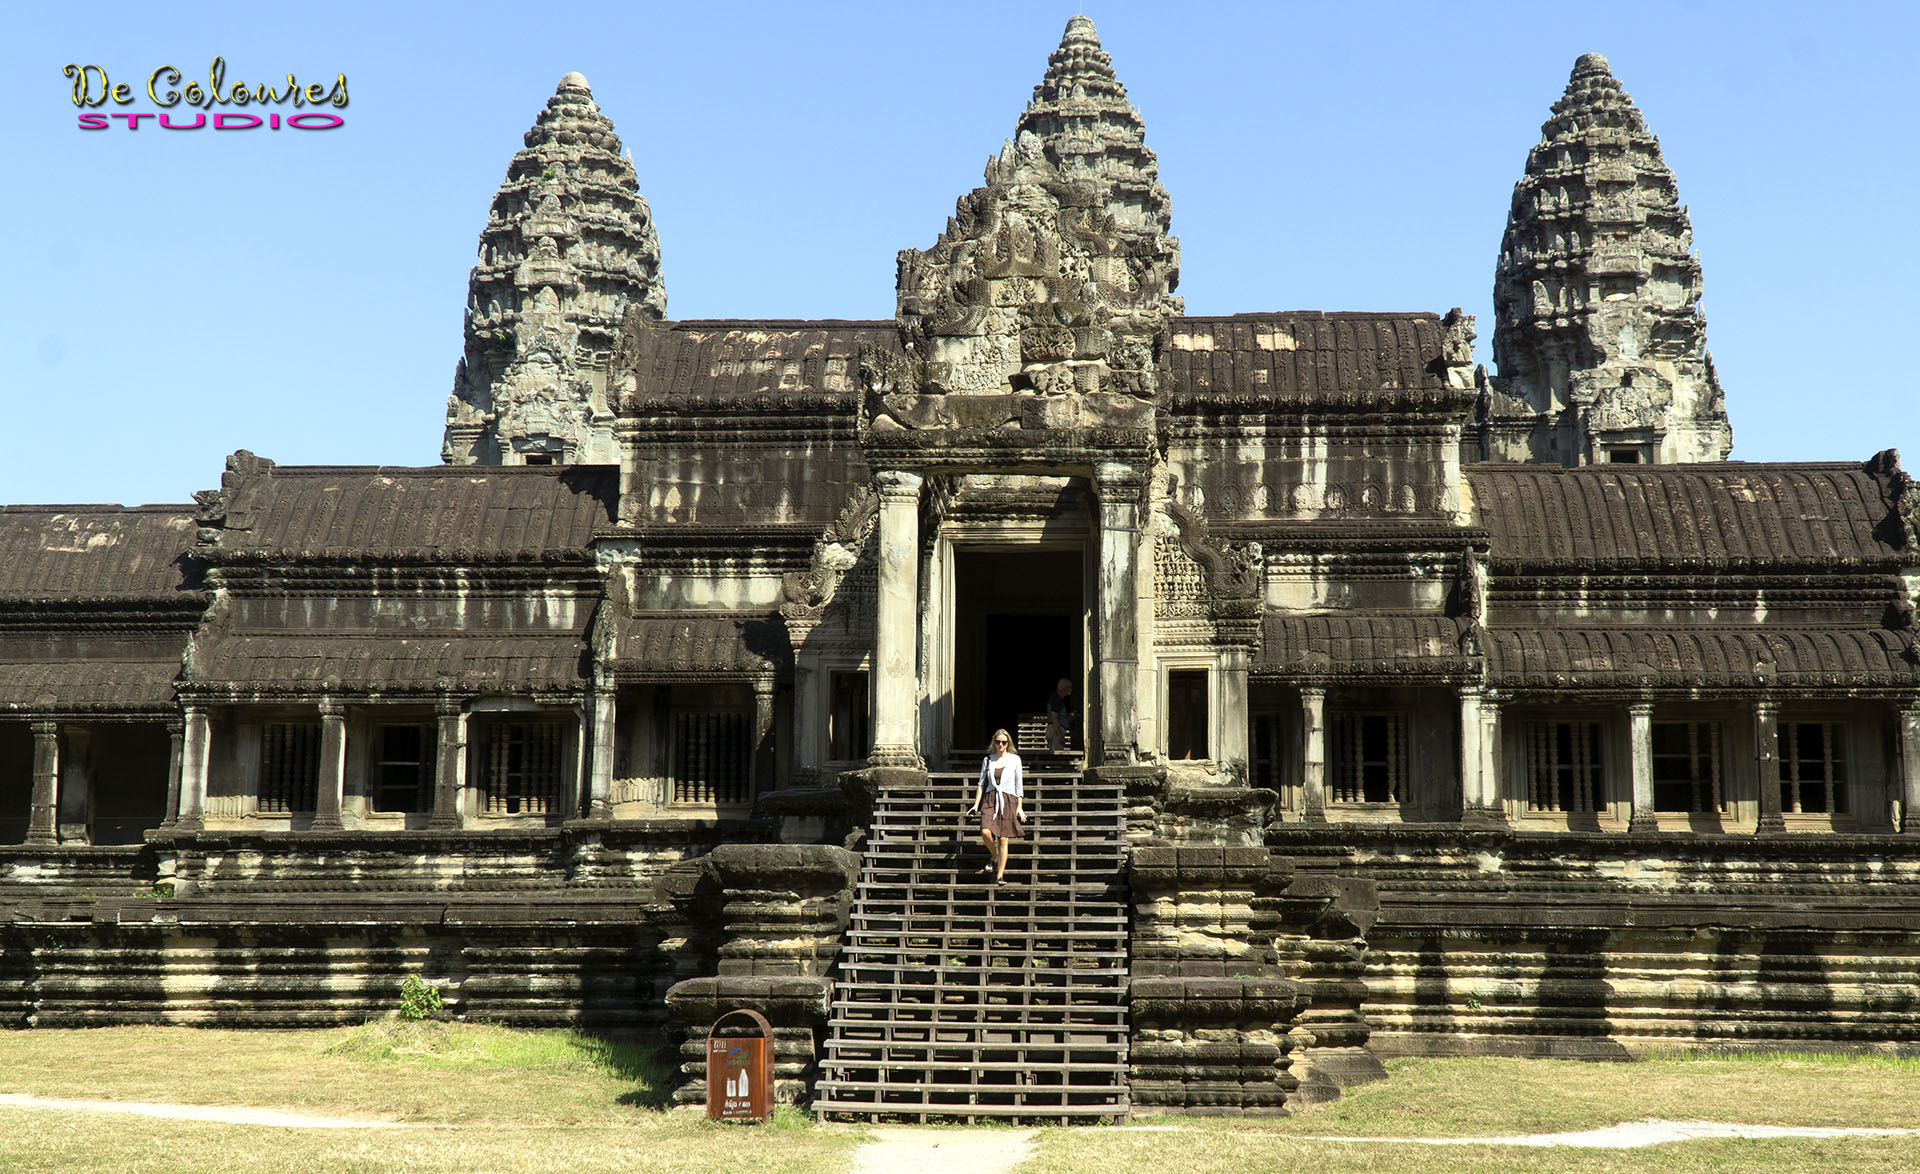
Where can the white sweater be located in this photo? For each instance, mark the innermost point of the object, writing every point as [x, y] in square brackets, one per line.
[1009, 783]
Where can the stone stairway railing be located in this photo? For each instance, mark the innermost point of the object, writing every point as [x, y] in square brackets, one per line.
[959, 999]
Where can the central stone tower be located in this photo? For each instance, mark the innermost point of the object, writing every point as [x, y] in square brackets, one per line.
[1057, 274]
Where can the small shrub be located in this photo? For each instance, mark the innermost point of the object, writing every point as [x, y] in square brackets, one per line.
[419, 999]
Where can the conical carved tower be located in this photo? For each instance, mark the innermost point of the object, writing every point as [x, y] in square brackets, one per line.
[569, 246]
[1599, 338]
[1092, 133]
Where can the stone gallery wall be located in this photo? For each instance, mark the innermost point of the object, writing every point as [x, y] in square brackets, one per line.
[1606, 947]
[533, 929]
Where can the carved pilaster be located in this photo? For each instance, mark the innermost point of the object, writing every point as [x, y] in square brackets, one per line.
[333, 766]
[1234, 753]
[1313, 755]
[762, 735]
[1766, 745]
[809, 695]
[1640, 728]
[600, 761]
[1473, 796]
[450, 765]
[175, 760]
[195, 752]
[897, 623]
[1116, 633]
[1910, 770]
[41, 826]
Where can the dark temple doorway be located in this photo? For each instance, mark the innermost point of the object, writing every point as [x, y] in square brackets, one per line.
[1019, 628]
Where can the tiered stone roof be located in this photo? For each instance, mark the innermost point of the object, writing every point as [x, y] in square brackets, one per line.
[96, 603]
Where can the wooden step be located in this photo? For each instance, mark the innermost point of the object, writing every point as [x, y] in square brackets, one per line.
[959, 999]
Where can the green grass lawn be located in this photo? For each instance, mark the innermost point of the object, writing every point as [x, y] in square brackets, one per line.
[486, 1098]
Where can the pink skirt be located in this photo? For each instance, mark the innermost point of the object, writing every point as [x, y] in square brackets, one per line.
[1005, 825]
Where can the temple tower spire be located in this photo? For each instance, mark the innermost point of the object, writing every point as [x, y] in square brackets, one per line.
[568, 248]
[1092, 133]
[1599, 335]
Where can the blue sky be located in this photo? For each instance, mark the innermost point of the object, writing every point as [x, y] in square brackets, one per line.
[174, 296]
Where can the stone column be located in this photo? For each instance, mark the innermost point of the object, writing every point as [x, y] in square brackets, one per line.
[1313, 755]
[809, 704]
[1910, 770]
[897, 623]
[600, 763]
[1640, 726]
[762, 734]
[174, 763]
[1473, 794]
[41, 825]
[1234, 752]
[449, 766]
[1495, 802]
[1117, 628]
[76, 785]
[195, 753]
[1766, 746]
[333, 766]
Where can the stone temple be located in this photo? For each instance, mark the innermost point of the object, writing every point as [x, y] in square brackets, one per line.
[1422, 710]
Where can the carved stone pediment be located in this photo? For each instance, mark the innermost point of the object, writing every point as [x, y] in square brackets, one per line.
[1045, 305]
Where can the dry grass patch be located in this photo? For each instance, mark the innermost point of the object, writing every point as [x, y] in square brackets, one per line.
[384, 1069]
[48, 1141]
[488, 1098]
[477, 1098]
[1489, 1097]
[1067, 1151]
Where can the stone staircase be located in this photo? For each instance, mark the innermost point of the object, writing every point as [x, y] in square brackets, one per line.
[962, 1000]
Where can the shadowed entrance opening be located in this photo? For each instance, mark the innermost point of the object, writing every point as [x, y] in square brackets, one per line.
[1019, 629]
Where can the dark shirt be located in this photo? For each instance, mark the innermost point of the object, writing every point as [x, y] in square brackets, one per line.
[1060, 709]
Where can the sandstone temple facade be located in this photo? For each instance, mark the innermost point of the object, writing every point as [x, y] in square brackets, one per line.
[1423, 709]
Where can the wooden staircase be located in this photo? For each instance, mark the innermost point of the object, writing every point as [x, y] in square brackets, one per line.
[960, 1000]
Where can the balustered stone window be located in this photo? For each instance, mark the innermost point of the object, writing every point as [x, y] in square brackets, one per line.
[522, 768]
[1367, 756]
[289, 767]
[1813, 768]
[1564, 766]
[712, 757]
[1687, 770]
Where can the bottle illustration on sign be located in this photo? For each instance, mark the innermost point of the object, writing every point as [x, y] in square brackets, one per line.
[738, 1084]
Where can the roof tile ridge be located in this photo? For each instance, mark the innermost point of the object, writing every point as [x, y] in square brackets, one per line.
[429, 470]
[1357, 315]
[100, 507]
[705, 323]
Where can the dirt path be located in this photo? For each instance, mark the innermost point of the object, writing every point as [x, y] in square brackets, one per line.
[1638, 1134]
[936, 1150]
[906, 1149]
[223, 1114]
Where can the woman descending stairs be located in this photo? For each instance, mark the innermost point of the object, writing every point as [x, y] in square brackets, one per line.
[961, 999]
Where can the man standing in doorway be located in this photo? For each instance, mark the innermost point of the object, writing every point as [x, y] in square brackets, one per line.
[1060, 716]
